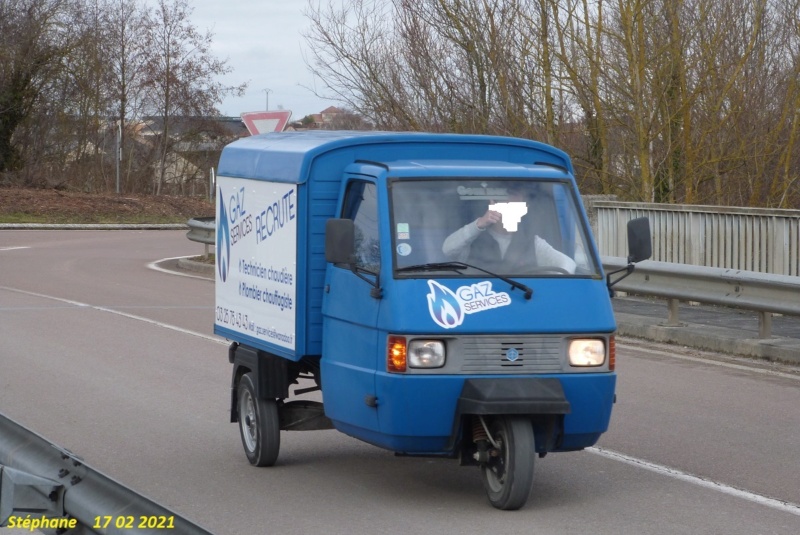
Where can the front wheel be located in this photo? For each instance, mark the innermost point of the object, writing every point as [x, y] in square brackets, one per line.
[259, 424]
[508, 474]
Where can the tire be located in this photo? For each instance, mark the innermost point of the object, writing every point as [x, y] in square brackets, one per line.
[508, 477]
[259, 425]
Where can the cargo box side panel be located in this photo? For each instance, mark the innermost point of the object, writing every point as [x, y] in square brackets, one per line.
[323, 183]
[256, 265]
[323, 187]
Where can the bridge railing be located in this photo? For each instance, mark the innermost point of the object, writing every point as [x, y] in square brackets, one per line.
[749, 239]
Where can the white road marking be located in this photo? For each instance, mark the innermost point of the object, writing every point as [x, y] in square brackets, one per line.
[12, 248]
[780, 505]
[120, 313]
[154, 266]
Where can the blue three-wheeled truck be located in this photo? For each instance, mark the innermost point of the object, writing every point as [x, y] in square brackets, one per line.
[444, 293]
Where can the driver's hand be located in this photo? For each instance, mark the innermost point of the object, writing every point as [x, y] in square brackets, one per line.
[488, 219]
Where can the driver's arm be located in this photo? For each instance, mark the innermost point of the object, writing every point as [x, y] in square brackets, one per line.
[547, 255]
[456, 245]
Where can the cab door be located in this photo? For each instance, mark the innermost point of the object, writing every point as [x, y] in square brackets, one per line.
[350, 346]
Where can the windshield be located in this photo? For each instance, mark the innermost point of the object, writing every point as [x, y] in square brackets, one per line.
[515, 228]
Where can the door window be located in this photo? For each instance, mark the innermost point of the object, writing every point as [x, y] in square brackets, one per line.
[361, 205]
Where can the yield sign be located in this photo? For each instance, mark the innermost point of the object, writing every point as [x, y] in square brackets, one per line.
[261, 122]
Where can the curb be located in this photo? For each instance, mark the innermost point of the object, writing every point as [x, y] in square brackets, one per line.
[710, 338]
[187, 264]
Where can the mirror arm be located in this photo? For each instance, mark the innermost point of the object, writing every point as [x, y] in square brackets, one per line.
[376, 291]
[627, 269]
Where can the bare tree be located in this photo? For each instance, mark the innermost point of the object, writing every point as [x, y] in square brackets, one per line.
[787, 182]
[125, 49]
[664, 100]
[354, 53]
[469, 66]
[34, 39]
[181, 74]
[75, 74]
[79, 104]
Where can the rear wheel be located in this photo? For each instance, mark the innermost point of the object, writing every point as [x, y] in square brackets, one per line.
[259, 424]
[508, 474]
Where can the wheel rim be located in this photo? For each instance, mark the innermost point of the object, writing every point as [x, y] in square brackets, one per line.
[495, 469]
[248, 421]
[508, 474]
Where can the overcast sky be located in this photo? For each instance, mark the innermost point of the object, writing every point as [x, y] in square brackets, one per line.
[262, 41]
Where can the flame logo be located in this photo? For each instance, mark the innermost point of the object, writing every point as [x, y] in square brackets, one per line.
[223, 241]
[444, 306]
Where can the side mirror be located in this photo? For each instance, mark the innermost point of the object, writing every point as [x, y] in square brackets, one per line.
[640, 245]
[340, 242]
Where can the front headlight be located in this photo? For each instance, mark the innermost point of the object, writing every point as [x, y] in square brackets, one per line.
[587, 352]
[426, 354]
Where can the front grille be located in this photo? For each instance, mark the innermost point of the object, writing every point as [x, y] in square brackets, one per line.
[508, 354]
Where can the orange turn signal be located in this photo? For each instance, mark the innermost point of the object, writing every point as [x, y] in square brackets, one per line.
[396, 354]
[612, 353]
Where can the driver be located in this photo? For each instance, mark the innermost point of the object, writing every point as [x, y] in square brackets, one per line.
[488, 243]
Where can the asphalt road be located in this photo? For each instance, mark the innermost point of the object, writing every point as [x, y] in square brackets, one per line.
[114, 360]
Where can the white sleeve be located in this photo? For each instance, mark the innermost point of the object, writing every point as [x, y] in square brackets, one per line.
[456, 245]
[547, 255]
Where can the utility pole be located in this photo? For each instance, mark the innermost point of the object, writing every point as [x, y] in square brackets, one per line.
[267, 92]
[119, 150]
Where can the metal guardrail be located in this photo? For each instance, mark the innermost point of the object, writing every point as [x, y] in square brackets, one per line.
[44, 487]
[92, 226]
[760, 292]
[202, 230]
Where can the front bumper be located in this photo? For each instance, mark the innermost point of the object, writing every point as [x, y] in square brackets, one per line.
[422, 414]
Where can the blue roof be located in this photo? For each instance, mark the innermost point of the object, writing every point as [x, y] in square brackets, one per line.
[422, 167]
[287, 156]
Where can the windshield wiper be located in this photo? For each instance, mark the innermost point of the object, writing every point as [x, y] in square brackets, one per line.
[458, 266]
[435, 266]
